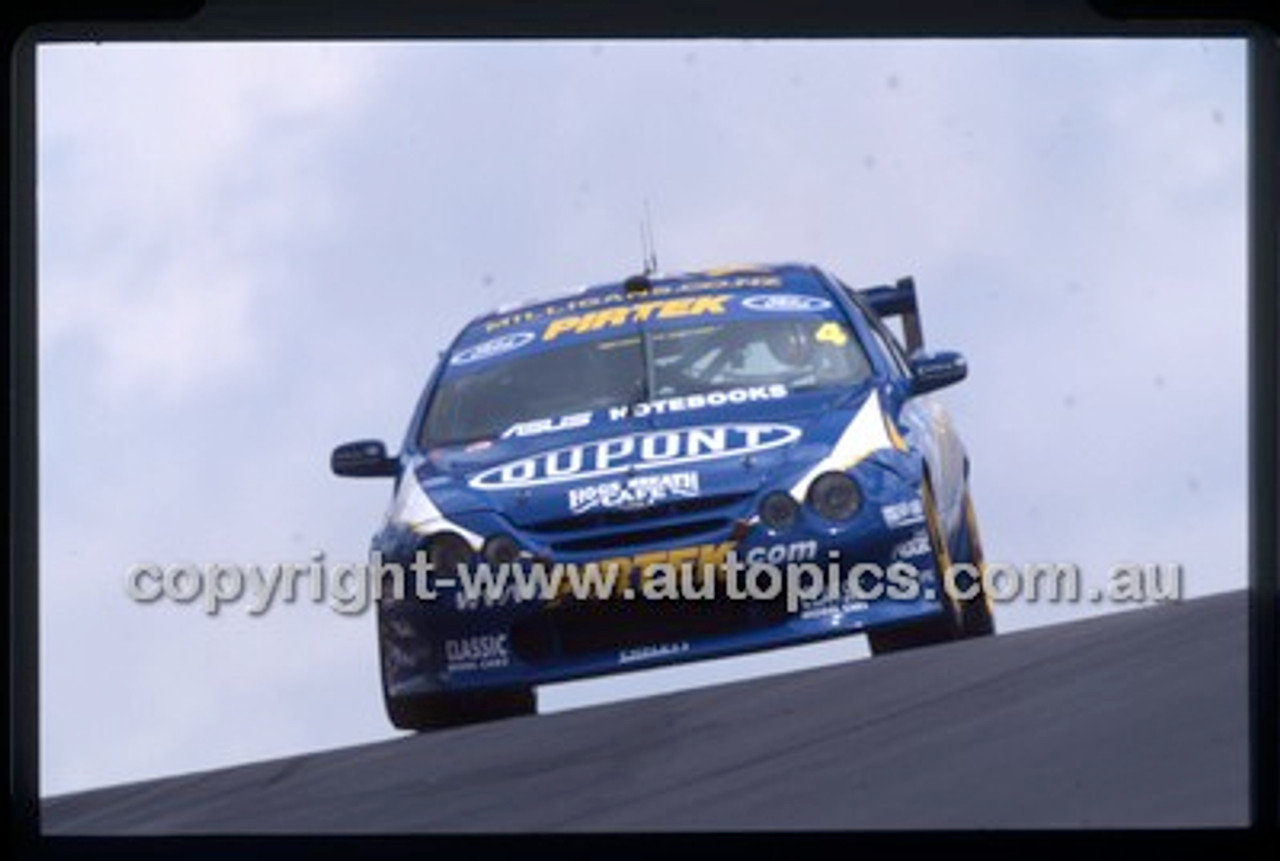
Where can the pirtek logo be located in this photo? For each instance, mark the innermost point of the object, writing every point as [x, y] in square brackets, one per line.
[639, 451]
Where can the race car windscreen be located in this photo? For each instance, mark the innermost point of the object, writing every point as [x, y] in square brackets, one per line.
[477, 400]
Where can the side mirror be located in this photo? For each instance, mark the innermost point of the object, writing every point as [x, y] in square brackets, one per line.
[932, 371]
[363, 459]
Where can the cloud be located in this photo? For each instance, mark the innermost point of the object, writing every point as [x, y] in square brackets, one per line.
[164, 170]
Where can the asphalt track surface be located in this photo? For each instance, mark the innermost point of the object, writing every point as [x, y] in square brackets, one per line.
[1134, 720]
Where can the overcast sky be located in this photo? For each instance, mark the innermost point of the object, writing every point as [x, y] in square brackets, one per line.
[249, 253]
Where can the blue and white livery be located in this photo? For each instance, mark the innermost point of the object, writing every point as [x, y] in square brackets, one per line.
[765, 417]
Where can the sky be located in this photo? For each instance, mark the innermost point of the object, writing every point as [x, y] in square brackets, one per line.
[249, 253]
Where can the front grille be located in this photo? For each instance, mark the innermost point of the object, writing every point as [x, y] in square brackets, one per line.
[635, 537]
[621, 518]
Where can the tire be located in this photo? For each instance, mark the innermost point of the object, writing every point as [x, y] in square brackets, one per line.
[435, 711]
[942, 628]
[976, 614]
[432, 711]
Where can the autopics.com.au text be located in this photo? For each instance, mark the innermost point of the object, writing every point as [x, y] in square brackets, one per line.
[351, 588]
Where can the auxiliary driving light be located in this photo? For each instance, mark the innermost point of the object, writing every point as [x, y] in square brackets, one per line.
[835, 496]
[778, 511]
[447, 552]
[500, 549]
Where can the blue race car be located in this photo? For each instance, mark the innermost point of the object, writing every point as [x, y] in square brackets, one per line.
[664, 469]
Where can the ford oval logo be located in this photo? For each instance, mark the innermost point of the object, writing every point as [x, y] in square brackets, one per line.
[492, 347]
[638, 451]
[786, 302]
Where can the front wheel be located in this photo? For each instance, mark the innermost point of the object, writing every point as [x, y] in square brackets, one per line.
[443, 708]
[976, 615]
[942, 628]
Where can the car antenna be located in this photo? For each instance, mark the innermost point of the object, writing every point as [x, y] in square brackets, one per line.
[648, 249]
[640, 284]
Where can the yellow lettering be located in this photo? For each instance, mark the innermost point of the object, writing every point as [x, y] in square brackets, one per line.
[675, 308]
[644, 561]
[610, 317]
[644, 309]
[708, 305]
[683, 555]
[638, 570]
[663, 309]
[558, 327]
[583, 323]
[714, 554]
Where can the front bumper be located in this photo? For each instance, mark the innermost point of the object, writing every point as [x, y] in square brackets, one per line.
[449, 643]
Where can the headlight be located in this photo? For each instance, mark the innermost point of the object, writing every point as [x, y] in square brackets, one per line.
[835, 496]
[447, 552]
[500, 550]
[778, 510]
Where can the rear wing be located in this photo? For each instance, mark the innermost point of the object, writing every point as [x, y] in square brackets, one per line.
[896, 301]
